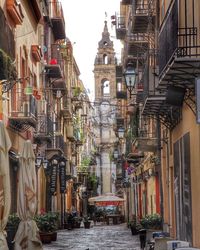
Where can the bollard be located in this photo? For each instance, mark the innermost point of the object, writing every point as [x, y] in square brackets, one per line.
[142, 235]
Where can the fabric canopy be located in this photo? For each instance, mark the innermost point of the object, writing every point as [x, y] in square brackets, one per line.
[106, 200]
[27, 236]
[5, 197]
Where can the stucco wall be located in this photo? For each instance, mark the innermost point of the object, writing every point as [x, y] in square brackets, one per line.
[188, 124]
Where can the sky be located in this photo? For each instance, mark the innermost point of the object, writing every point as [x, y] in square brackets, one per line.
[84, 23]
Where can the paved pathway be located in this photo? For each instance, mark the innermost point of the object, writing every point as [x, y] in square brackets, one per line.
[112, 237]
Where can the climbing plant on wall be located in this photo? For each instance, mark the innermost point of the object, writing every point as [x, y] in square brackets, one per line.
[7, 68]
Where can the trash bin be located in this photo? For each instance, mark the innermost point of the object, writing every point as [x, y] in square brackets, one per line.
[142, 235]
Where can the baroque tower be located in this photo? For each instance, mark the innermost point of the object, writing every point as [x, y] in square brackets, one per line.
[105, 108]
[104, 68]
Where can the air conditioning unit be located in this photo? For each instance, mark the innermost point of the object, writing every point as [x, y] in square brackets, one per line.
[174, 244]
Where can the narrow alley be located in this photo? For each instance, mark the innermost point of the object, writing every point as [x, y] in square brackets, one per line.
[99, 237]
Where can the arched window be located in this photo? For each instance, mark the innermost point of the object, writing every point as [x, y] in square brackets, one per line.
[105, 59]
[105, 87]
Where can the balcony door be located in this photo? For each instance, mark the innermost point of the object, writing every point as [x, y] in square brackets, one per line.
[182, 188]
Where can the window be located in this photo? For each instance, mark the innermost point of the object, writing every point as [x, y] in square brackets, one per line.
[106, 87]
[105, 59]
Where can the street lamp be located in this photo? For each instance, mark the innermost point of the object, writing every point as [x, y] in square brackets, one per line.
[45, 163]
[130, 78]
[38, 161]
[121, 132]
[115, 154]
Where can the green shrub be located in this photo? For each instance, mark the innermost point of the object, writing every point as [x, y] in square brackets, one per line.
[13, 221]
[47, 222]
[153, 221]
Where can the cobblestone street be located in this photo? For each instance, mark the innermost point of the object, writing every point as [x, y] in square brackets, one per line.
[112, 237]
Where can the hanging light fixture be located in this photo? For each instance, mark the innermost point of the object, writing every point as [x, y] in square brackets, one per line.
[130, 78]
[38, 161]
[115, 154]
[121, 132]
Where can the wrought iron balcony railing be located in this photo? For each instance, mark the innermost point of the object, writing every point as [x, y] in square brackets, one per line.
[143, 15]
[55, 67]
[175, 40]
[56, 144]
[23, 110]
[57, 20]
[120, 27]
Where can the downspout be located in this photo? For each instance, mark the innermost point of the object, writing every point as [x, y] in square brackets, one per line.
[160, 168]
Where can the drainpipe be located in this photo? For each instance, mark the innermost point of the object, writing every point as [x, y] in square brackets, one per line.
[168, 185]
[160, 169]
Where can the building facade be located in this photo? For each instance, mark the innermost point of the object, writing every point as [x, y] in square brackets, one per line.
[160, 41]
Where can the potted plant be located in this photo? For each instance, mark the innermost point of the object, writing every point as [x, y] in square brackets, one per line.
[46, 227]
[86, 222]
[69, 221]
[11, 229]
[153, 221]
[54, 218]
[77, 221]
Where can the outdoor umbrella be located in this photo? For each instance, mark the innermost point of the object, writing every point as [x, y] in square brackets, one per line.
[106, 200]
[27, 236]
[5, 199]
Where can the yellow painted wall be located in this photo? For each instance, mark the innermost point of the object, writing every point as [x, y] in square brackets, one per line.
[188, 124]
[151, 192]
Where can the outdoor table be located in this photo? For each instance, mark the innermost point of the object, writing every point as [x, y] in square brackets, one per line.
[115, 218]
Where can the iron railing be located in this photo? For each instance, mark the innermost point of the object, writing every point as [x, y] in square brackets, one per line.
[22, 104]
[175, 41]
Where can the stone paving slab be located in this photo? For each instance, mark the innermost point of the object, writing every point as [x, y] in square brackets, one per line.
[101, 237]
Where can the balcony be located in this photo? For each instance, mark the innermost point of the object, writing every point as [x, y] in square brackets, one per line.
[145, 142]
[126, 2]
[36, 10]
[55, 67]
[135, 157]
[120, 27]
[155, 106]
[143, 14]
[56, 146]
[44, 130]
[78, 105]
[7, 42]
[134, 54]
[36, 53]
[23, 110]
[66, 109]
[137, 44]
[14, 11]
[57, 20]
[180, 57]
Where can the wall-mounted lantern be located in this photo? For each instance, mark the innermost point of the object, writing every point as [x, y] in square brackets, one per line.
[130, 78]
